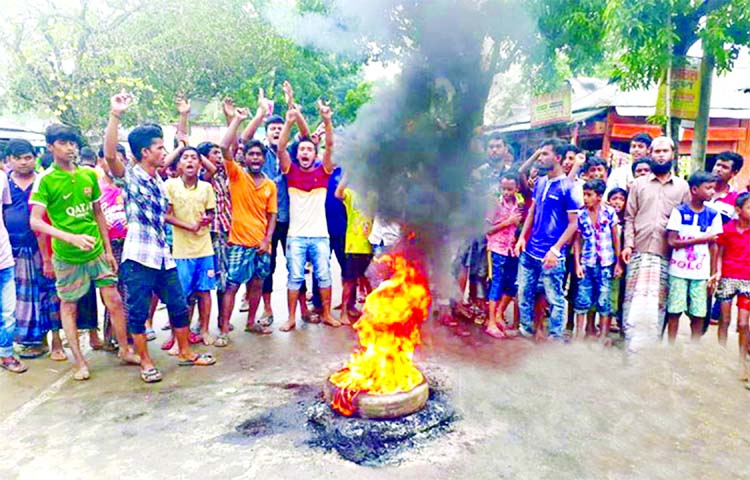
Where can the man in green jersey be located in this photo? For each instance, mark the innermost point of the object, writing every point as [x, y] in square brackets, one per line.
[82, 253]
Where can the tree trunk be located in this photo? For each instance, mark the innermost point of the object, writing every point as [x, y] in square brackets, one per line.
[700, 137]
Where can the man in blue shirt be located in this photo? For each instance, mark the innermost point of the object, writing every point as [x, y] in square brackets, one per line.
[549, 227]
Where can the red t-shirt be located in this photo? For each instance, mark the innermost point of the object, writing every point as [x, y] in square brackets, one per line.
[736, 259]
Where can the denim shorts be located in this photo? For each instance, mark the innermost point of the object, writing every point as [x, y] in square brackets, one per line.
[504, 276]
[595, 289]
[246, 263]
[299, 251]
[196, 274]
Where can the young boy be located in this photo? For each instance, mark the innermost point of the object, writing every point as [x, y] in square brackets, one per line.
[191, 207]
[255, 205]
[691, 232]
[617, 198]
[597, 252]
[70, 195]
[733, 277]
[503, 223]
[358, 249]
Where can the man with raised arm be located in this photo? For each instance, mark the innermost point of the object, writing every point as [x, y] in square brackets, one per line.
[308, 232]
[147, 264]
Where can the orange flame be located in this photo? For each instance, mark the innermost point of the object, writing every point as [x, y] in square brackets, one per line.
[388, 333]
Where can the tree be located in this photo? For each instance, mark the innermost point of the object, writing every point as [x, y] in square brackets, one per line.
[68, 59]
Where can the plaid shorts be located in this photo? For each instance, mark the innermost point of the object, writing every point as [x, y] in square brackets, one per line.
[686, 295]
[74, 279]
[729, 287]
[246, 263]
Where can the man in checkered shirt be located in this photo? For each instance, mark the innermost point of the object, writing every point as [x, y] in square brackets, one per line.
[147, 265]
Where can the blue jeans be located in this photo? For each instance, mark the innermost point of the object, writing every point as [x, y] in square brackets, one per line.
[300, 250]
[530, 270]
[595, 289]
[7, 310]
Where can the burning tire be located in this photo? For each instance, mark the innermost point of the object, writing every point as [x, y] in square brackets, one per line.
[384, 406]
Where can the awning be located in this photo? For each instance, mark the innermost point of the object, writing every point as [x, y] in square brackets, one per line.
[576, 117]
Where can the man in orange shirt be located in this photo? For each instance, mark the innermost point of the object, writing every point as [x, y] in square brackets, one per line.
[254, 209]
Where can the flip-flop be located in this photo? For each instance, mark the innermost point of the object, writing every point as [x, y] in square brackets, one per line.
[200, 360]
[195, 338]
[12, 364]
[258, 329]
[150, 334]
[311, 318]
[265, 320]
[31, 351]
[152, 375]
[167, 345]
[221, 341]
[499, 334]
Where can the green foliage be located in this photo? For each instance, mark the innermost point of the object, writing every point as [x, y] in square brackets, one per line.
[68, 59]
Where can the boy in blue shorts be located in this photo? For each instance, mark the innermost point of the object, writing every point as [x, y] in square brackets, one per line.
[596, 250]
[191, 210]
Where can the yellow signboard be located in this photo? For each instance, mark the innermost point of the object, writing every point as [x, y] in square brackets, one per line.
[686, 89]
[550, 108]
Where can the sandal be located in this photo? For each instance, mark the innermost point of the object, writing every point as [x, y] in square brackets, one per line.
[265, 320]
[12, 364]
[150, 334]
[167, 345]
[152, 375]
[208, 340]
[495, 333]
[311, 318]
[195, 338]
[200, 360]
[221, 341]
[30, 351]
[256, 327]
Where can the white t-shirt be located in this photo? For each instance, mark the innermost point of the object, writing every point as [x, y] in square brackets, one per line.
[6, 253]
[693, 262]
[385, 233]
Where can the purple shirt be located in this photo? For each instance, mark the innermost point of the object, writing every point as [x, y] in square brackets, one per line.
[18, 217]
[553, 200]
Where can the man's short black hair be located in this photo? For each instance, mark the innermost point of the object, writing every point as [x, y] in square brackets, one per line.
[616, 191]
[495, 136]
[594, 162]
[19, 147]
[646, 160]
[308, 140]
[204, 148]
[510, 175]
[742, 199]
[189, 149]
[119, 148]
[143, 136]
[560, 147]
[642, 137]
[87, 156]
[597, 185]
[571, 148]
[735, 158]
[273, 119]
[253, 144]
[57, 131]
[700, 177]
[46, 160]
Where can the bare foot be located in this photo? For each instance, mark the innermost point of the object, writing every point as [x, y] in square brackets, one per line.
[130, 357]
[94, 341]
[330, 321]
[344, 319]
[58, 355]
[208, 340]
[288, 326]
[744, 374]
[82, 373]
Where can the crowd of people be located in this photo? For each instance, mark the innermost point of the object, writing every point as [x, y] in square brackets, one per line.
[580, 249]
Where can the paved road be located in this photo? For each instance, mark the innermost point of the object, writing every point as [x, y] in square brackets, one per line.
[527, 412]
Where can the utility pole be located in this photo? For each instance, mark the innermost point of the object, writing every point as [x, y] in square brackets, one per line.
[700, 130]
